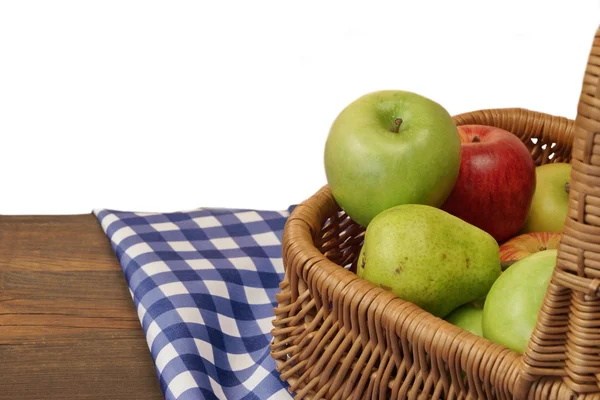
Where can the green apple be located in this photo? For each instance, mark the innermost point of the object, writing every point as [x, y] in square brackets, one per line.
[551, 199]
[514, 301]
[467, 317]
[389, 148]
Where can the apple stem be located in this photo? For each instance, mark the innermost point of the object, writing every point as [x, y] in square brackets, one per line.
[476, 139]
[568, 187]
[397, 123]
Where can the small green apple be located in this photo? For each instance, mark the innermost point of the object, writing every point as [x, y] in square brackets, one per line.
[389, 148]
[468, 317]
[551, 199]
[514, 301]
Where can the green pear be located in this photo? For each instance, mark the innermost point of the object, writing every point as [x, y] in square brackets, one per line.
[429, 257]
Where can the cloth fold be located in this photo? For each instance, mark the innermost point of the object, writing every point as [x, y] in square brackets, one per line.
[204, 283]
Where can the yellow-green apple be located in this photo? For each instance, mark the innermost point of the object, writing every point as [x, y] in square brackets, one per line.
[550, 200]
[496, 181]
[389, 148]
[526, 244]
[514, 301]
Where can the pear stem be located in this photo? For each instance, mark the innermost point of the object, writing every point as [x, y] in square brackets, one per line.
[568, 187]
[397, 123]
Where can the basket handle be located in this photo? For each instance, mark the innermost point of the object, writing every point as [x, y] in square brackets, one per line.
[565, 343]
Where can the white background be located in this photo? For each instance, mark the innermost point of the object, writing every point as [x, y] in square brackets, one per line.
[173, 105]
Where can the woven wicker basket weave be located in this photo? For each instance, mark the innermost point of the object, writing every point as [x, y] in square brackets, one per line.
[337, 336]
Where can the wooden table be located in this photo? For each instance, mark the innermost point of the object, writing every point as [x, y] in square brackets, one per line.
[68, 327]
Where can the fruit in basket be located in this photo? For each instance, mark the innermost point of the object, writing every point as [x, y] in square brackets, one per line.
[514, 301]
[551, 199]
[496, 181]
[467, 317]
[429, 257]
[389, 148]
[526, 244]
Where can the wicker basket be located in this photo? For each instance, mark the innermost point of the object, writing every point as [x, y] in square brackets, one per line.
[337, 336]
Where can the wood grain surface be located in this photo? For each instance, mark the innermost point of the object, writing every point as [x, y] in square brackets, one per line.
[68, 327]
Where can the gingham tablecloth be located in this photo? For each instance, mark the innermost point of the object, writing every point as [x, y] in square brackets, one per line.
[204, 285]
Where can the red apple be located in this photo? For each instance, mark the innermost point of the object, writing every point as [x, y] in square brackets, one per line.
[528, 243]
[496, 181]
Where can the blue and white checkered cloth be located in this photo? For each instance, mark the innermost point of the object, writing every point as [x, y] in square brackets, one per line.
[204, 285]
